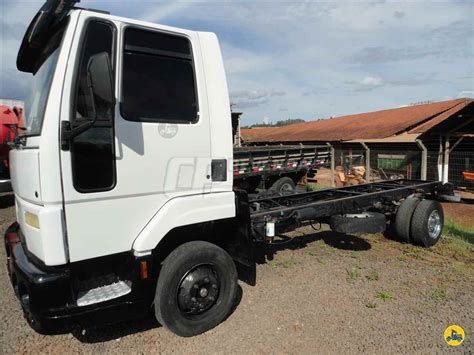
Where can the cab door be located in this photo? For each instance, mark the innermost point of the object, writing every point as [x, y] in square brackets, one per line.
[150, 146]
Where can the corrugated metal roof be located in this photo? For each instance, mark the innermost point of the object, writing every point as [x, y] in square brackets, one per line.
[401, 138]
[371, 125]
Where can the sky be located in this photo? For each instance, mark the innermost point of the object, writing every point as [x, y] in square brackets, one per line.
[303, 59]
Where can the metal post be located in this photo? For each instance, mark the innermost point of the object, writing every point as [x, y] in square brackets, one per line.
[367, 161]
[446, 160]
[440, 159]
[239, 144]
[333, 164]
[424, 159]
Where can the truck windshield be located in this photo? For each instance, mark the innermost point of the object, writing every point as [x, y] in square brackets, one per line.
[35, 103]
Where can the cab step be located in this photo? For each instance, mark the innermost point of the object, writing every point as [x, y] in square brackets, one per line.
[103, 293]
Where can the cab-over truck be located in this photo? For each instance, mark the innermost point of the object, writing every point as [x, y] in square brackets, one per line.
[118, 214]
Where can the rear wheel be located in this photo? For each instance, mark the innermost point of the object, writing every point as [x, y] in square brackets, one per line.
[196, 288]
[403, 218]
[427, 223]
[283, 184]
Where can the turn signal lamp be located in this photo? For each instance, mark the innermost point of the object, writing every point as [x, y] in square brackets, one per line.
[32, 220]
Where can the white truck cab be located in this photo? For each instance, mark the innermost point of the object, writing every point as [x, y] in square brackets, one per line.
[109, 88]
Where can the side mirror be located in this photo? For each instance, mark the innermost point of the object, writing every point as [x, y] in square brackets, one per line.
[102, 99]
[100, 81]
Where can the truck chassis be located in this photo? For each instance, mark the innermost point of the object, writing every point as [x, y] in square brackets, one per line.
[328, 202]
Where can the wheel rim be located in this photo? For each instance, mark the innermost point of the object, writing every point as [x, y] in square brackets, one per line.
[434, 224]
[198, 290]
[286, 187]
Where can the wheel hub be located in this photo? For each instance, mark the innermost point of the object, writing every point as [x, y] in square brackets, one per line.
[434, 224]
[203, 292]
[198, 290]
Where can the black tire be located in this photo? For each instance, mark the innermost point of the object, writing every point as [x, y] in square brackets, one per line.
[403, 218]
[181, 308]
[427, 223]
[367, 222]
[283, 184]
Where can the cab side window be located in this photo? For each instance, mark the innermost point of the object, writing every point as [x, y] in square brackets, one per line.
[93, 151]
[158, 83]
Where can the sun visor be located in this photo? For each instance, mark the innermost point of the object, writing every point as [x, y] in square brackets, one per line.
[48, 18]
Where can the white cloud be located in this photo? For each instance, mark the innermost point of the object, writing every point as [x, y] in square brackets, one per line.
[161, 11]
[466, 93]
[252, 98]
[371, 81]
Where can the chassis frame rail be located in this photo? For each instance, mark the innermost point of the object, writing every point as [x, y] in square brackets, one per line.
[328, 202]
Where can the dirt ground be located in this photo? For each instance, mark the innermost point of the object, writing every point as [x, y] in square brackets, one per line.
[460, 213]
[321, 292]
[324, 177]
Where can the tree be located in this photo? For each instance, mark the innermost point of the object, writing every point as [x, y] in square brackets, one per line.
[277, 124]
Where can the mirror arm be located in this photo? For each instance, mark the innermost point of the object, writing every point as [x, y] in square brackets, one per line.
[68, 133]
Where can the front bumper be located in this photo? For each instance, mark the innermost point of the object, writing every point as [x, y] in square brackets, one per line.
[46, 294]
[5, 185]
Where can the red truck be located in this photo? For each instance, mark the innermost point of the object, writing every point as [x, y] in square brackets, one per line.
[11, 118]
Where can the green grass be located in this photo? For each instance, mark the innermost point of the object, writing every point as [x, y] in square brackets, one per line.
[384, 295]
[354, 255]
[401, 258]
[288, 263]
[314, 187]
[460, 265]
[316, 255]
[412, 251]
[439, 295]
[455, 230]
[352, 274]
[285, 264]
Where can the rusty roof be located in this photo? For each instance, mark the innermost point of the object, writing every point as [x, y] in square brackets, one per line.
[371, 125]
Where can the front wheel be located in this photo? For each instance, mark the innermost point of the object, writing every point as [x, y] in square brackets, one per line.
[196, 288]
